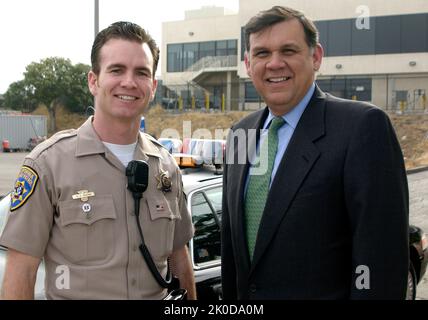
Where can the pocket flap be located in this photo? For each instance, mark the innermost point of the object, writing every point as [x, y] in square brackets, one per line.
[97, 208]
[161, 208]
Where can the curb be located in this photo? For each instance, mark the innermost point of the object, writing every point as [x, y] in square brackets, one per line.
[416, 170]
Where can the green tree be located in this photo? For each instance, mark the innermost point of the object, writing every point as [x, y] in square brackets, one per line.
[79, 97]
[19, 97]
[55, 81]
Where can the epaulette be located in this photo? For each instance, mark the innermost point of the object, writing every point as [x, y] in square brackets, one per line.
[152, 139]
[51, 141]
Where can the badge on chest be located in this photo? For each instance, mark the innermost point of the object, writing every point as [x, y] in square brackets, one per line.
[84, 195]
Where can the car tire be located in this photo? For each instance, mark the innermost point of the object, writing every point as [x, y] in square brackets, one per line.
[411, 283]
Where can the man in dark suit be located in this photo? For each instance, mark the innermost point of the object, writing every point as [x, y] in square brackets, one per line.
[321, 211]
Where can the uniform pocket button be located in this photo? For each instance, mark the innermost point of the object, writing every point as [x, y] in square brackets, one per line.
[253, 288]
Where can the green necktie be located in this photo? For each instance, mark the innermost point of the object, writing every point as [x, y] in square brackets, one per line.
[258, 184]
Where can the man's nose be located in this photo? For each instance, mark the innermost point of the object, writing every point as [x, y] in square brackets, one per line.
[128, 81]
[276, 61]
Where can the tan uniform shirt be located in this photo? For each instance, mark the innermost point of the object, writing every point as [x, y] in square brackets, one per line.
[95, 240]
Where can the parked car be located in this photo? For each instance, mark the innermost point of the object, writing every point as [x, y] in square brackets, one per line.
[203, 189]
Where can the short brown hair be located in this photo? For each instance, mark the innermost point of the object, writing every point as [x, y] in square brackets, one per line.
[277, 14]
[123, 30]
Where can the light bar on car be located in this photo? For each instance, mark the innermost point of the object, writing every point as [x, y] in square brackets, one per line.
[187, 160]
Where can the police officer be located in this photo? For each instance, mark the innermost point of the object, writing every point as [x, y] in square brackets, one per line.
[71, 206]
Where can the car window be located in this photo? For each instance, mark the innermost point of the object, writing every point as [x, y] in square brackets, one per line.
[214, 195]
[206, 210]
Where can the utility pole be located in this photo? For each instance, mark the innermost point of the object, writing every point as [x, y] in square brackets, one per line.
[96, 17]
[96, 28]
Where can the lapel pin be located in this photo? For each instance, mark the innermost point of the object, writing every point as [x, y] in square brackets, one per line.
[83, 195]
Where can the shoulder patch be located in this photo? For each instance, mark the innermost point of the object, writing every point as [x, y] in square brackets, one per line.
[24, 187]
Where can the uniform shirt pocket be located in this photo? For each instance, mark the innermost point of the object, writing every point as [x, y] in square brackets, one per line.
[163, 215]
[85, 232]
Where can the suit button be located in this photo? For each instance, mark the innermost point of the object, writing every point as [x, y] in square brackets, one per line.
[253, 288]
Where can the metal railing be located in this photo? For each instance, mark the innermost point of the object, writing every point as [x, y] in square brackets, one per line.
[214, 62]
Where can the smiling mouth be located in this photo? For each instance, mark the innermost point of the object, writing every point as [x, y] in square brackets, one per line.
[126, 98]
[278, 80]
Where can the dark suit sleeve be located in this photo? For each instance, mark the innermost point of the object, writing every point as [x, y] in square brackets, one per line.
[228, 272]
[376, 195]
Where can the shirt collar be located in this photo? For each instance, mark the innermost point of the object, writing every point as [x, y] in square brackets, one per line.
[89, 143]
[292, 118]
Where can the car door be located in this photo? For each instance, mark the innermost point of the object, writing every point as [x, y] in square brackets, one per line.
[205, 247]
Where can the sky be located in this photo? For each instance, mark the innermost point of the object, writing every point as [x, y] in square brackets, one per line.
[31, 30]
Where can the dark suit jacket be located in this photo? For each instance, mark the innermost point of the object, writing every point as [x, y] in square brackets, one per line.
[339, 200]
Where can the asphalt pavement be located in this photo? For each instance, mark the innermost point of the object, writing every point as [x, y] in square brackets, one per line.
[10, 163]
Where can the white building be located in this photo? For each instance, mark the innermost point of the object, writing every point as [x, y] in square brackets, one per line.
[375, 52]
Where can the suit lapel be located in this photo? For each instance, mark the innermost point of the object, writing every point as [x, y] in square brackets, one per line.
[299, 158]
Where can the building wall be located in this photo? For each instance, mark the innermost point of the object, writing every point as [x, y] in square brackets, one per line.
[389, 72]
[333, 9]
[384, 90]
[195, 30]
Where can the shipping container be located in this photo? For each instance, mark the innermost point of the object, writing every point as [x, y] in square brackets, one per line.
[22, 131]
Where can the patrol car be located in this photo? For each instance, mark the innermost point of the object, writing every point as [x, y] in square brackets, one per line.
[203, 188]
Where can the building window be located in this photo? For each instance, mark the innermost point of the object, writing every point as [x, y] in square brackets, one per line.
[242, 43]
[339, 37]
[190, 54]
[182, 56]
[414, 33]
[384, 35]
[207, 49]
[221, 48]
[232, 47]
[387, 39]
[175, 58]
[251, 95]
[348, 88]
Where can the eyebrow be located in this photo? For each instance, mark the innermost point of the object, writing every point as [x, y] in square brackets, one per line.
[116, 65]
[122, 66]
[286, 46]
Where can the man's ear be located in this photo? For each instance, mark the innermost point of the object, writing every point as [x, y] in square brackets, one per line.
[247, 63]
[92, 82]
[155, 86]
[317, 56]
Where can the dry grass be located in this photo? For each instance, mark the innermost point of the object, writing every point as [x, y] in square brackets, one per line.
[412, 132]
[157, 120]
[64, 119]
